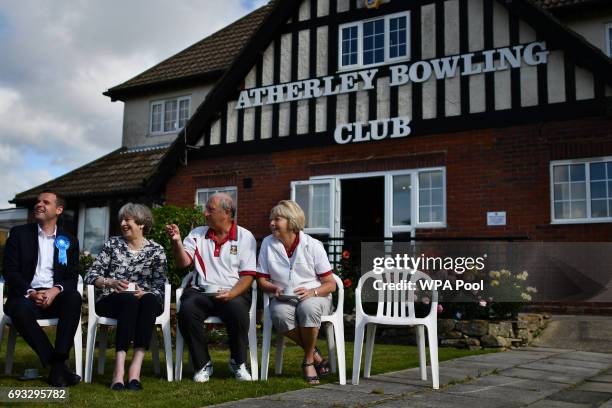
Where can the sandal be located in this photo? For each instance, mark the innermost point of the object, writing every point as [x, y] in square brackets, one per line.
[323, 367]
[310, 379]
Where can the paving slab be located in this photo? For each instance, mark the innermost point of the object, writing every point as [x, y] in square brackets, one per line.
[546, 403]
[375, 386]
[542, 375]
[264, 402]
[441, 400]
[581, 397]
[596, 386]
[606, 404]
[317, 396]
[599, 365]
[587, 356]
[514, 384]
[559, 368]
[606, 378]
[545, 349]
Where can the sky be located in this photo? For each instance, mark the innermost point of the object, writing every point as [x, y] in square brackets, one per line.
[57, 57]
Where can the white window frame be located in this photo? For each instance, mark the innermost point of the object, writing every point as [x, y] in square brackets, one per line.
[217, 190]
[608, 38]
[162, 102]
[587, 177]
[389, 228]
[81, 221]
[387, 59]
[332, 230]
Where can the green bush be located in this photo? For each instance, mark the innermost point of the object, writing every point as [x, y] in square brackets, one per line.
[85, 261]
[187, 219]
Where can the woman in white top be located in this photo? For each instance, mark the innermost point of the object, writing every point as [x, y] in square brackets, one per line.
[294, 268]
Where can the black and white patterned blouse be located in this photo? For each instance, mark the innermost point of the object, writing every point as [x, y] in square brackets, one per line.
[147, 267]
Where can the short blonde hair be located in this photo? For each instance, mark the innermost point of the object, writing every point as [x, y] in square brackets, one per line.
[292, 212]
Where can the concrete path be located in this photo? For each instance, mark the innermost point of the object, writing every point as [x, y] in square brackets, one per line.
[533, 376]
[586, 333]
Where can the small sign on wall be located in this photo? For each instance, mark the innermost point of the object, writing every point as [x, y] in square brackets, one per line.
[495, 218]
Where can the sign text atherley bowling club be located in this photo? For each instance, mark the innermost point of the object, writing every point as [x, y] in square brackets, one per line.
[534, 53]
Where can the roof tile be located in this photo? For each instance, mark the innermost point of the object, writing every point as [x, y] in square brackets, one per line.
[122, 170]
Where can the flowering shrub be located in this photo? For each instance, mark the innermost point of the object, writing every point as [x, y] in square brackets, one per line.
[502, 297]
[346, 270]
[507, 292]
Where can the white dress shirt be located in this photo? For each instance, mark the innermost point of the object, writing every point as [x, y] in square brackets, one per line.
[43, 277]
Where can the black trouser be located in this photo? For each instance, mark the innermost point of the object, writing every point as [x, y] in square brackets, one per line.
[66, 308]
[135, 318]
[197, 307]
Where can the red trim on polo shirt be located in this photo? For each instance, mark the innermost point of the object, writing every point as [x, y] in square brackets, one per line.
[263, 275]
[247, 273]
[200, 260]
[324, 274]
[232, 235]
[291, 250]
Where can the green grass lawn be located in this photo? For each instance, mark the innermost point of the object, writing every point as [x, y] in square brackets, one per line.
[222, 386]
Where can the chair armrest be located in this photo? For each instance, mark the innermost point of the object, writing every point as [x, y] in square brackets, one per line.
[167, 298]
[80, 285]
[91, 301]
[253, 308]
[179, 293]
[340, 288]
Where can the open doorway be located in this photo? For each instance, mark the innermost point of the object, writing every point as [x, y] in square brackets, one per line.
[362, 210]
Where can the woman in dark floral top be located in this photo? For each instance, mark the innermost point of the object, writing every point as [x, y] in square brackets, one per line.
[130, 259]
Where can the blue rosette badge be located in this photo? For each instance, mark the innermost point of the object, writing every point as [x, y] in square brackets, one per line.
[62, 244]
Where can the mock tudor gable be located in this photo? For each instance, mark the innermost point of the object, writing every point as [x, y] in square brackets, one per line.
[466, 64]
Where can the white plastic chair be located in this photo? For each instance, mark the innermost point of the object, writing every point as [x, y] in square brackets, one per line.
[178, 369]
[12, 337]
[395, 307]
[334, 324]
[162, 320]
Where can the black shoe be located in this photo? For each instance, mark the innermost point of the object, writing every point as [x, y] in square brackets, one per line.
[134, 385]
[56, 381]
[56, 375]
[117, 387]
[70, 377]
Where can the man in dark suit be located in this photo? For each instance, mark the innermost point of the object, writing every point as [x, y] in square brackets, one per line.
[41, 264]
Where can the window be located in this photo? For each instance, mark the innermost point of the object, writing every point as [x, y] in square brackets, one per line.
[608, 44]
[431, 197]
[169, 115]
[317, 200]
[581, 191]
[402, 199]
[93, 228]
[349, 46]
[203, 194]
[375, 41]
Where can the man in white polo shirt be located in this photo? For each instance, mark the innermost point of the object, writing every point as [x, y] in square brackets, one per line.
[223, 255]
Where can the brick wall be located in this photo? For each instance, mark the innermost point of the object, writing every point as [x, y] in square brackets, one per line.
[504, 169]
